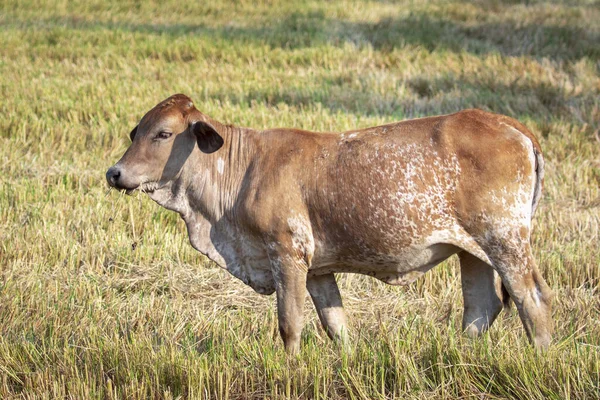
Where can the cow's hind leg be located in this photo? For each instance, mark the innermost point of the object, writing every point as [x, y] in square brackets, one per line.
[325, 295]
[527, 288]
[482, 294]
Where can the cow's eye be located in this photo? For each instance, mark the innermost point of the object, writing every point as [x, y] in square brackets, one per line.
[163, 135]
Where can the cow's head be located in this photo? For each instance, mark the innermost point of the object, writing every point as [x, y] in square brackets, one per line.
[161, 144]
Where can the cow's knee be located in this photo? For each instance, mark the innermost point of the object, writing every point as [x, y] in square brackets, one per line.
[482, 294]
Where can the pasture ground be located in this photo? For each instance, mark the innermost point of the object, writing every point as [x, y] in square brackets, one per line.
[101, 296]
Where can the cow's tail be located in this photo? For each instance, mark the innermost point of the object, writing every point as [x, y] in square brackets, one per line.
[539, 172]
[505, 297]
[539, 183]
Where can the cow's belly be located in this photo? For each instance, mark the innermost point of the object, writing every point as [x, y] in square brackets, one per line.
[401, 268]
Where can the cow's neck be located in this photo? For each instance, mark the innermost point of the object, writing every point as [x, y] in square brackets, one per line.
[214, 180]
[207, 188]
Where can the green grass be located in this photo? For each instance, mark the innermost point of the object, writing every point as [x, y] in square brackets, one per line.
[101, 296]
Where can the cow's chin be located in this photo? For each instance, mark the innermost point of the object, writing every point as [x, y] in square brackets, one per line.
[128, 189]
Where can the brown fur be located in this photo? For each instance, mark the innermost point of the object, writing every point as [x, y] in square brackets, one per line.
[285, 209]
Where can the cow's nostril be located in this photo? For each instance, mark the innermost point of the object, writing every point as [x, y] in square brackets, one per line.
[112, 176]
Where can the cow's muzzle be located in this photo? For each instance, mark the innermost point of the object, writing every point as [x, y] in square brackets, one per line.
[114, 177]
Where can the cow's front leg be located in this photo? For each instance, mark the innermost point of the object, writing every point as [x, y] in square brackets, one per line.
[326, 296]
[289, 273]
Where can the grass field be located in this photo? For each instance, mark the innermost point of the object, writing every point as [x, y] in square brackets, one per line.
[101, 296]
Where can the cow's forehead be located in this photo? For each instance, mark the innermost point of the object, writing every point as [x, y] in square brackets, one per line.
[173, 110]
[161, 117]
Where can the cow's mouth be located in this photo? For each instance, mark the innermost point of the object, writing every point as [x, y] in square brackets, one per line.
[145, 187]
[128, 190]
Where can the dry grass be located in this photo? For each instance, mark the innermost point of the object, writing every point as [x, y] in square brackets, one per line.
[101, 296]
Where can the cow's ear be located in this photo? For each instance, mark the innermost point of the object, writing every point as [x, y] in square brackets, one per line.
[133, 133]
[207, 137]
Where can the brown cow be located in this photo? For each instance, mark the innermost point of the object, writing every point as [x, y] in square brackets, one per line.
[285, 209]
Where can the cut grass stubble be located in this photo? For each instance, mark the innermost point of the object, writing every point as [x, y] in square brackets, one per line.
[101, 295]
